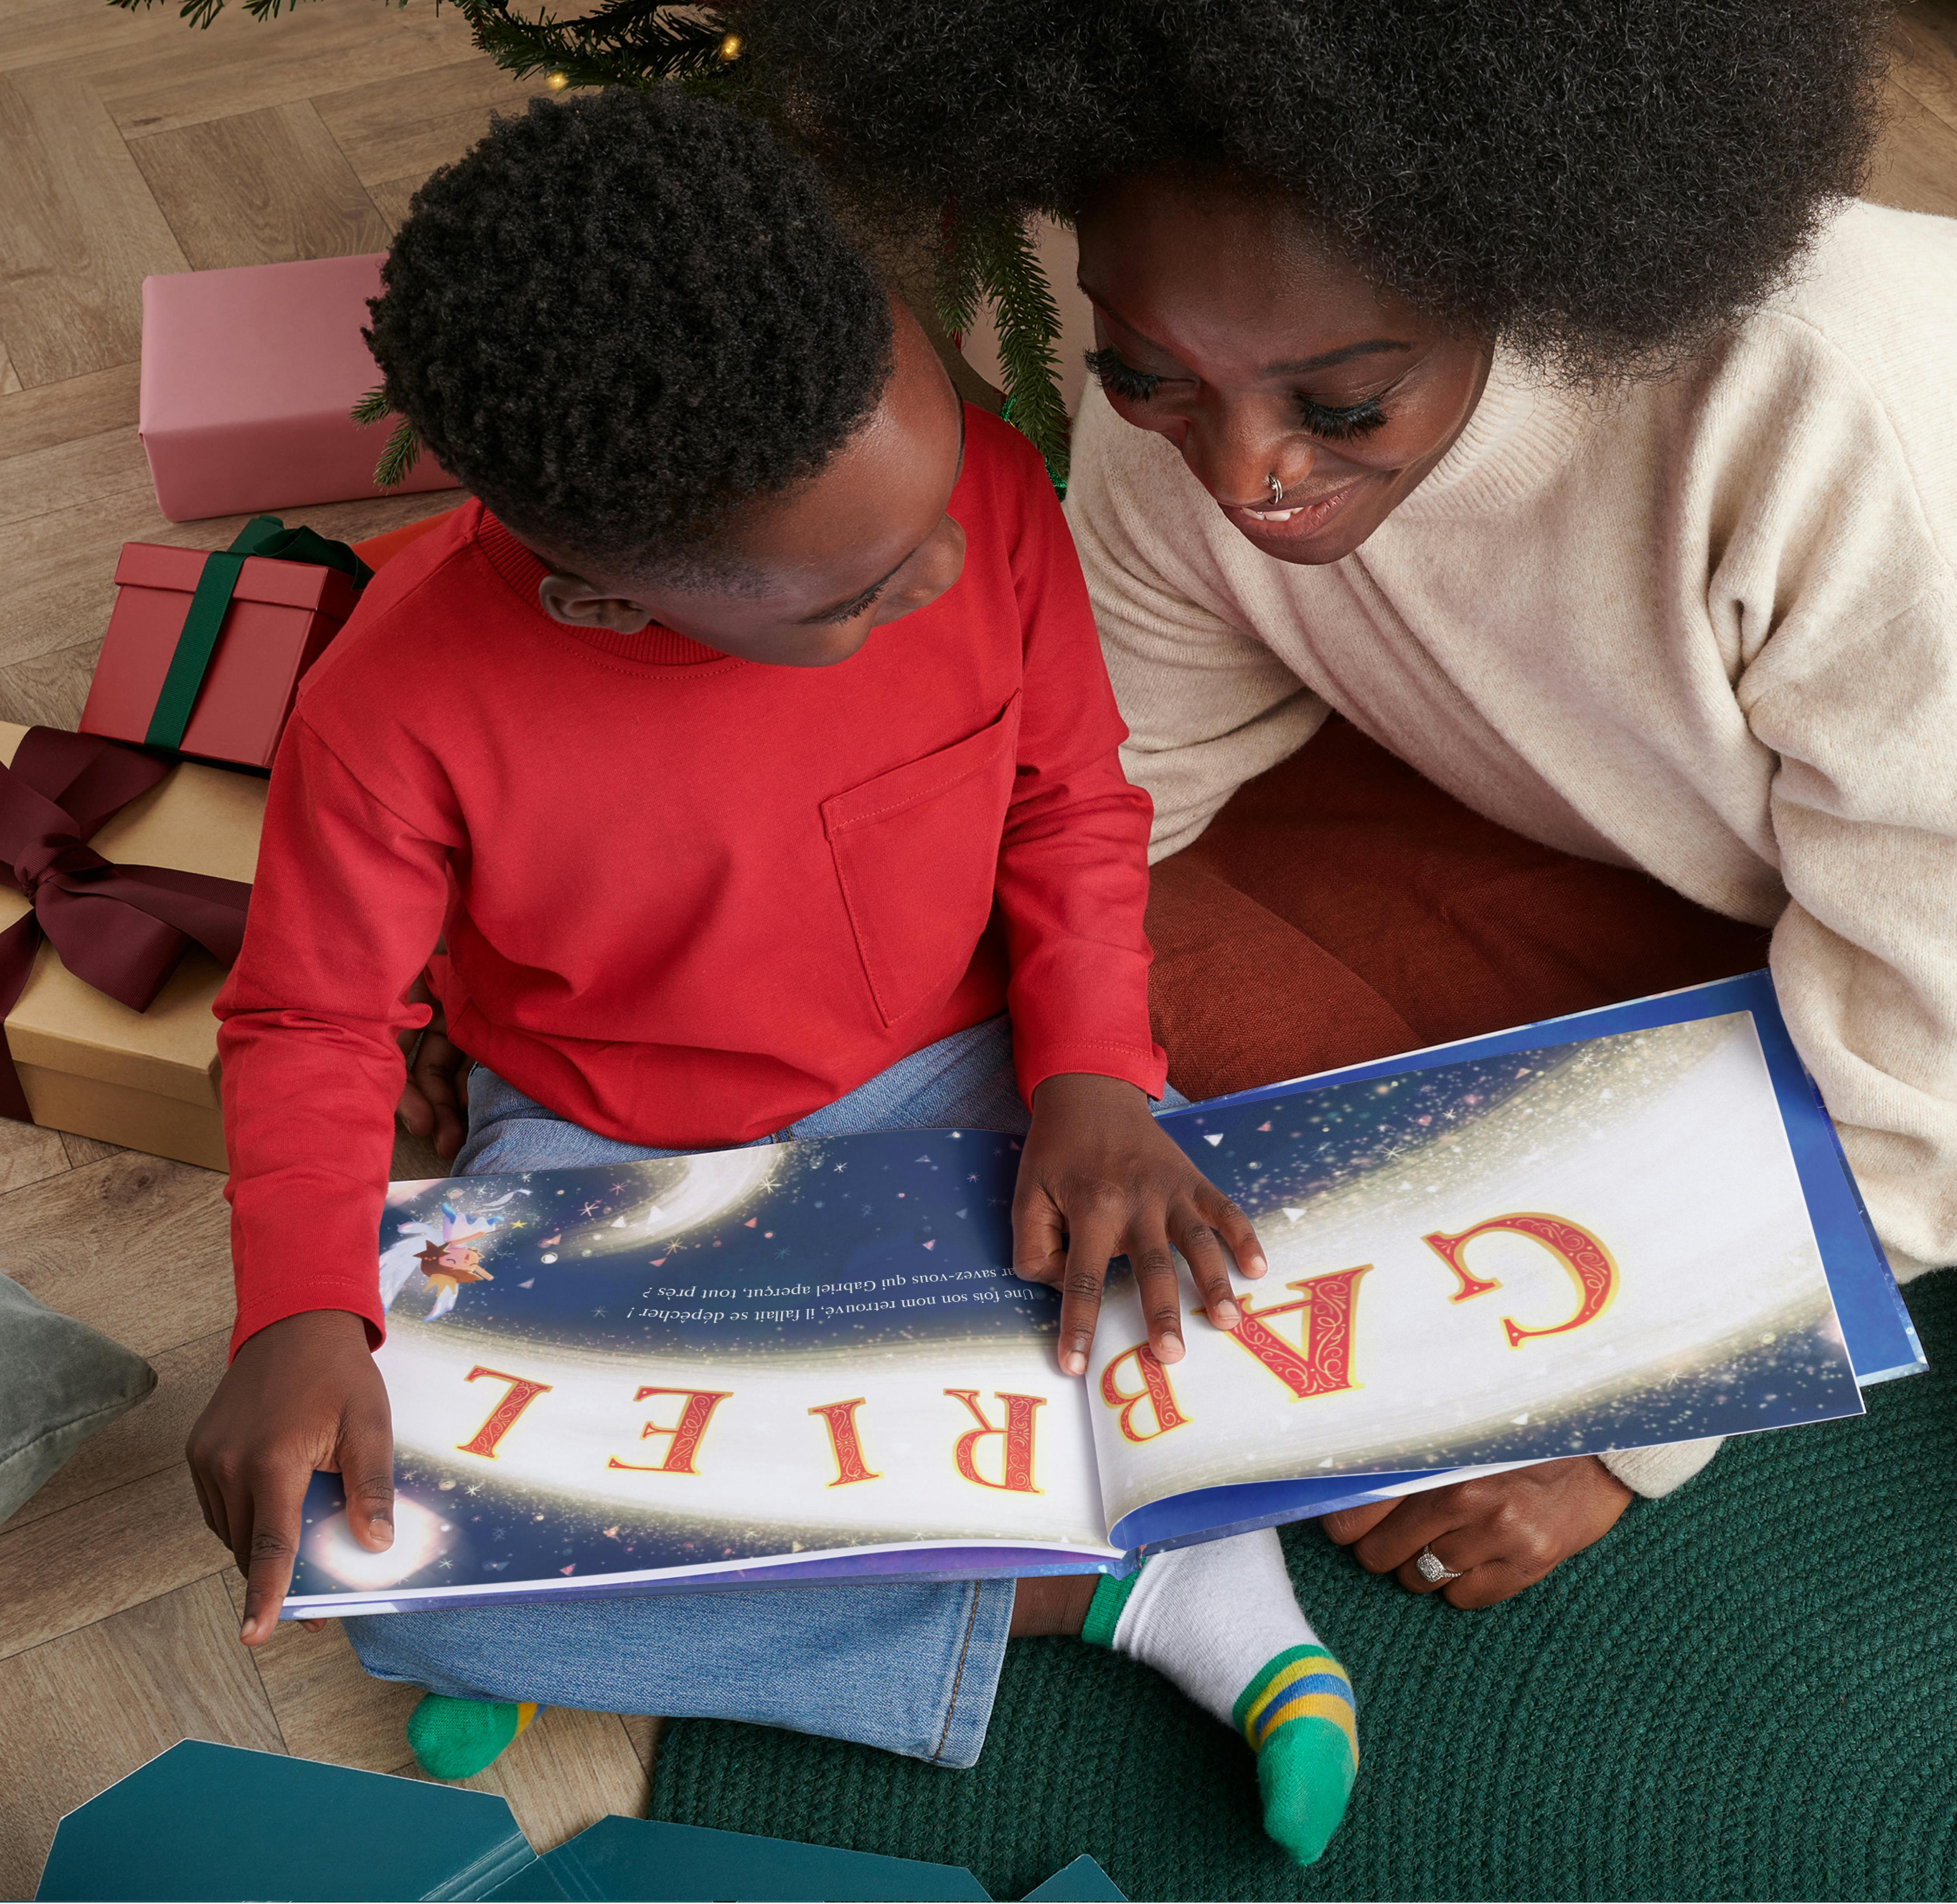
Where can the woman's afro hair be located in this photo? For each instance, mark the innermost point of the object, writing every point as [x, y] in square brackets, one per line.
[622, 315]
[1603, 184]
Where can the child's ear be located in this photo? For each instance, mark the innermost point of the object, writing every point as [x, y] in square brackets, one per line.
[572, 600]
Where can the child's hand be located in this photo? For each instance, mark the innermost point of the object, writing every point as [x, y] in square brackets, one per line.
[1500, 1532]
[1099, 1178]
[434, 1094]
[302, 1394]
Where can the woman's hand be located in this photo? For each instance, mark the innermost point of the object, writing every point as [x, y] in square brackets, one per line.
[434, 1094]
[1500, 1532]
[302, 1394]
[1099, 1178]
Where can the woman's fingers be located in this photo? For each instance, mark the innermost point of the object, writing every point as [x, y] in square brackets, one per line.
[1463, 1550]
[1202, 1244]
[1493, 1580]
[1499, 1532]
[1413, 1523]
[1350, 1524]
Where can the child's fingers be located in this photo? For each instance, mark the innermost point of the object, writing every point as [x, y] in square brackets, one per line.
[1239, 1234]
[1039, 1239]
[277, 1495]
[1202, 1248]
[435, 1075]
[1156, 1283]
[1093, 1236]
[366, 1456]
[209, 1505]
[416, 1114]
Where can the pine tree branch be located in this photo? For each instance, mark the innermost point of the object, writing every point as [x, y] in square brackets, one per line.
[958, 289]
[202, 13]
[402, 450]
[1028, 321]
[623, 43]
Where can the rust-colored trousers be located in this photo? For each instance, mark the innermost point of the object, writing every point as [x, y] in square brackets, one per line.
[1341, 908]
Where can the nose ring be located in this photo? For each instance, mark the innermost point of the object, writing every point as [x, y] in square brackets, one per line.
[1277, 488]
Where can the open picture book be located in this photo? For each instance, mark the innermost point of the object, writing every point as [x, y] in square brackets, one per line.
[811, 1360]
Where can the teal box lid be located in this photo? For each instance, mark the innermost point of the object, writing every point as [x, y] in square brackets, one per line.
[644, 1859]
[223, 1824]
[219, 1822]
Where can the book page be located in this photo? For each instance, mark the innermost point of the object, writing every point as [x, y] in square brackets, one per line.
[1595, 1245]
[683, 1366]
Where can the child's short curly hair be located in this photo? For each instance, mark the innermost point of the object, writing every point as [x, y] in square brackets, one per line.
[622, 315]
[1603, 184]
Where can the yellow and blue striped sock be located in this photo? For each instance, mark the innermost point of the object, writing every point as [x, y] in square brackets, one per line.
[1297, 1716]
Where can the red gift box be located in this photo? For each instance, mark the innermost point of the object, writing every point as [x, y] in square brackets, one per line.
[281, 616]
[249, 374]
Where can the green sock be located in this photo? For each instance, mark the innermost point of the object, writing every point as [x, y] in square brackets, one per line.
[1297, 1716]
[456, 1738]
[1219, 1621]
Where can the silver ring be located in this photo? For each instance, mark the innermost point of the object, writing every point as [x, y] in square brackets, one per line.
[1277, 488]
[1427, 1564]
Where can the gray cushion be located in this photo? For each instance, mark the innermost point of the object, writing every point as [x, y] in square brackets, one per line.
[59, 1382]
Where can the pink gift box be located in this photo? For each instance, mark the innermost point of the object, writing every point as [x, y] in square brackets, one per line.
[247, 378]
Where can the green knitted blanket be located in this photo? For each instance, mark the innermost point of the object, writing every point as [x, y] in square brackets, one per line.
[1748, 1691]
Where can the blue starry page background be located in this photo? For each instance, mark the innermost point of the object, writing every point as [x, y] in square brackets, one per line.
[783, 1276]
[875, 1268]
[1401, 1139]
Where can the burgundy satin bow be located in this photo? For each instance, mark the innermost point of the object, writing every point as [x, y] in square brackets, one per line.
[122, 929]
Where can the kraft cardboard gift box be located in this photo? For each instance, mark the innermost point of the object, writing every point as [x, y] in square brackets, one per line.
[248, 374]
[147, 1081]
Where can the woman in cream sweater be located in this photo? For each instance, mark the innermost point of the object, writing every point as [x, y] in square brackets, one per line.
[1517, 392]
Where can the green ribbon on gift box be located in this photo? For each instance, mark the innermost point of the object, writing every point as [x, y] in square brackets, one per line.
[262, 535]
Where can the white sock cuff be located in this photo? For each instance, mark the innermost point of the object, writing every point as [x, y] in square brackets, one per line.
[1209, 1618]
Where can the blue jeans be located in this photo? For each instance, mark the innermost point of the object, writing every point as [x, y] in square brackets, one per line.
[911, 1668]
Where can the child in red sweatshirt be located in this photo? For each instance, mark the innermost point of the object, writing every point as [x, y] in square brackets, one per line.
[746, 746]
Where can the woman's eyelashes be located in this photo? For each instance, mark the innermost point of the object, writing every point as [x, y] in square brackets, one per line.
[1340, 425]
[1119, 379]
[1334, 424]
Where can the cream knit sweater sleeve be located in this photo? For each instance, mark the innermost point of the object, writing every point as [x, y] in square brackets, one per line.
[1864, 809]
[1208, 704]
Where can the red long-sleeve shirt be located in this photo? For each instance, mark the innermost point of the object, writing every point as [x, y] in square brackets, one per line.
[686, 899]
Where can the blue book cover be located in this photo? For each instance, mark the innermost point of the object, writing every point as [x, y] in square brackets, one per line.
[811, 1360]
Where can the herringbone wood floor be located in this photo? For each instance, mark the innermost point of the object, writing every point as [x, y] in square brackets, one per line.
[129, 144]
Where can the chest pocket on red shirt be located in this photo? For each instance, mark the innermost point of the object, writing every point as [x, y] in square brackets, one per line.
[917, 853]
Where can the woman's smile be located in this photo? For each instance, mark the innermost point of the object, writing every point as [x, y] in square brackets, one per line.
[1293, 522]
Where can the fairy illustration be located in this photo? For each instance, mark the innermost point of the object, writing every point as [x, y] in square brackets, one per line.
[445, 1254]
